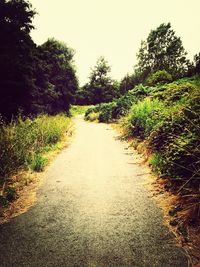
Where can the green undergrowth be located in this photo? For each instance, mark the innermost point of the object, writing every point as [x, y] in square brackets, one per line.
[78, 110]
[167, 118]
[109, 112]
[24, 144]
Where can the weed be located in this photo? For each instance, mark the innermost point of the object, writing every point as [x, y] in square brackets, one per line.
[11, 193]
[38, 163]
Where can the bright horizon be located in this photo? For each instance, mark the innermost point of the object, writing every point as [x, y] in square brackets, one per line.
[113, 28]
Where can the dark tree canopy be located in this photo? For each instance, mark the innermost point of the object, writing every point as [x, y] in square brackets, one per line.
[16, 56]
[56, 81]
[33, 79]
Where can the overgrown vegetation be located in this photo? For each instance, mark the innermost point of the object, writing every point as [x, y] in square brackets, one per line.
[167, 117]
[24, 141]
[108, 112]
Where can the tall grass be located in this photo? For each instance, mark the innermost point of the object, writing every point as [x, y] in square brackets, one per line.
[22, 141]
[144, 116]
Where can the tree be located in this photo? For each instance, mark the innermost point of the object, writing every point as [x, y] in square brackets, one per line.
[56, 81]
[16, 56]
[197, 63]
[101, 88]
[162, 50]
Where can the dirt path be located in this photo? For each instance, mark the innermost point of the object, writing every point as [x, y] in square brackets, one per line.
[93, 210]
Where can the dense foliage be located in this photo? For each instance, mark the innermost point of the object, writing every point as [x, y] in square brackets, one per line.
[162, 50]
[55, 79]
[159, 77]
[33, 79]
[119, 107]
[16, 56]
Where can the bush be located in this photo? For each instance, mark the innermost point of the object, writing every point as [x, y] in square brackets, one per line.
[171, 127]
[173, 92]
[144, 116]
[93, 116]
[106, 112]
[38, 163]
[93, 109]
[159, 77]
[177, 139]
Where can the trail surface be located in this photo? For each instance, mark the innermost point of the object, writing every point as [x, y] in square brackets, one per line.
[92, 210]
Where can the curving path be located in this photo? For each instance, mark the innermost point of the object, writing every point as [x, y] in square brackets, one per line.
[92, 210]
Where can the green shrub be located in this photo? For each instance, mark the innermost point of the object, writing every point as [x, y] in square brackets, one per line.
[94, 109]
[159, 77]
[173, 92]
[38, 163]
[119, 107]
[155, 162]
[106, 112]
[123, 105]
[11, 193]
[93, 116]
[177, 138]
[144, 116]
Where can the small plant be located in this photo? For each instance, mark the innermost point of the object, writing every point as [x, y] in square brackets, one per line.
[11, 193]
[93, 116]
[155, 161]
[38, 163]
[3, 202]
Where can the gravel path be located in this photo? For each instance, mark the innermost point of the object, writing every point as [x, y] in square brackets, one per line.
[92, 210]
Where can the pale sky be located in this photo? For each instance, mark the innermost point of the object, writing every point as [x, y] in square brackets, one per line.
[113, 28]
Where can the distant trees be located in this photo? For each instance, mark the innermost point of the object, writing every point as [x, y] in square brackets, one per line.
[130, 81]
[100, 88]
[197, 64]
[162, 50]
[161, 59]
[126, 84]
[33, 79]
